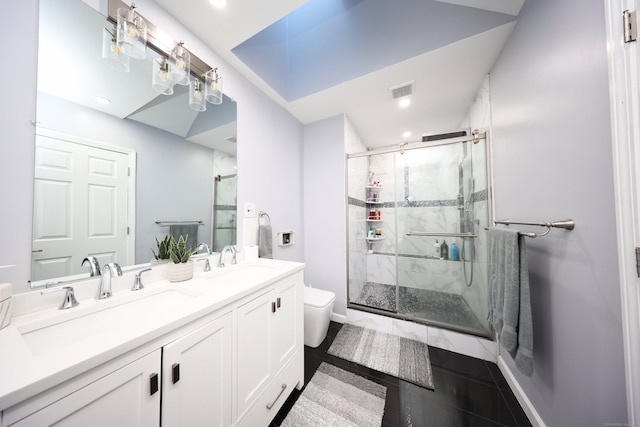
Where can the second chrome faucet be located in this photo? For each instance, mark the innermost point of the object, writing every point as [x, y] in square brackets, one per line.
[108, 271]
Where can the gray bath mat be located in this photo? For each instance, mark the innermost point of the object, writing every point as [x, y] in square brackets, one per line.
[401, 357]
[337, 398]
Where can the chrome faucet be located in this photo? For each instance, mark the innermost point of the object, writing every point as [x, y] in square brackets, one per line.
[207, 247]
[94, 265]
[228, 248]
[137, 282]
[111, 269]
[69, 301]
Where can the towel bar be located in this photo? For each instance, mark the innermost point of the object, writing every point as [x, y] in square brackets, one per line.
[567, 224]
[429, 234]
[168, 223]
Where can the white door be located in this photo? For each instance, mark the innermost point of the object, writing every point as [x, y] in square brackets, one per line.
[80, 207]
[624, 84]
[196, 379]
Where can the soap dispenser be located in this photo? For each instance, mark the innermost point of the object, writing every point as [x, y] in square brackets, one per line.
[444, 250]
[436, 249]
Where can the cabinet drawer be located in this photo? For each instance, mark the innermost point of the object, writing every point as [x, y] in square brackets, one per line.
[269, 403]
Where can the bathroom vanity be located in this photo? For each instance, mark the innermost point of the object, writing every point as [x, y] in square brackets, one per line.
[224, 348]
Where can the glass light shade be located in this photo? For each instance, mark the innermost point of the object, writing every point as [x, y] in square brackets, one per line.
[112, 53]
[196, 96]
[161, 78]
[180, 63]
[132, 33]
[214, 87]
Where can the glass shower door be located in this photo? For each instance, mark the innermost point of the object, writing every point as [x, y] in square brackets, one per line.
[437, 207]
[224, 212]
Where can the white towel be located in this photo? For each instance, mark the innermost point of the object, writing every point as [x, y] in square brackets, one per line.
[510, 311]
[265, 241]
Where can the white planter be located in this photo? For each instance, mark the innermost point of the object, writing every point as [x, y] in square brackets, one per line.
[158, 261]
[180, 272]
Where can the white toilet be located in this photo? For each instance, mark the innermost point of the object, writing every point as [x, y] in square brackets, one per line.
[318, 305]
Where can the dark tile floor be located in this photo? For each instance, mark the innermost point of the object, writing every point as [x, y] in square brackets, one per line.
[468, 391]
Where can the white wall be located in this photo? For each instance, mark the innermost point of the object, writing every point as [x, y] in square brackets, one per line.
[552, 160]
[269, 143]
[325, 209]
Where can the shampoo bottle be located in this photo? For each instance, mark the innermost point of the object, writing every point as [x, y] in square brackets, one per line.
[436, 249]
[453, 251]
[444, 250]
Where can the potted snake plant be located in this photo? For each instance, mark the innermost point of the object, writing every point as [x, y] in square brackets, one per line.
[180, 267]
[161, 254]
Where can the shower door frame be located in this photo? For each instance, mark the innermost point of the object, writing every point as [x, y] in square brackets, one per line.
[476, 137]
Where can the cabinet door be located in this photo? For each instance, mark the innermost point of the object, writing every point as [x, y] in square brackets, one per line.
[196, 385]
[286, 322]
[122, 398]
[254, 344]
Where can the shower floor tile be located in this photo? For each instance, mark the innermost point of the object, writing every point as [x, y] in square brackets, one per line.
[435, 306]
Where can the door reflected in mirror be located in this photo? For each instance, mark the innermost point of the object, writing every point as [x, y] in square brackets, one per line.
[106, 172]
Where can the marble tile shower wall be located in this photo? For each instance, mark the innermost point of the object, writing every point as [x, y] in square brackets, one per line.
[479, 117]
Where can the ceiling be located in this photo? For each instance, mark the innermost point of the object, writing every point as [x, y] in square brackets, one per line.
[320, 58]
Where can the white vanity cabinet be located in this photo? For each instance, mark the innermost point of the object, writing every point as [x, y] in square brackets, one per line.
[233, 364]
[196, 377]
[128, 396]
[270, 359]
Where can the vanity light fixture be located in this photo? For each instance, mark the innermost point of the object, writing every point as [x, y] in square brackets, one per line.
[161, 77]
[131, 32]
[196, 95]
[180, 64]
[214, 87]
[112, 52]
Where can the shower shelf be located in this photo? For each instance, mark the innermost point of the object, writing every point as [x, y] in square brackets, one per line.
[375, 202]
[374, 239]
[374, 220]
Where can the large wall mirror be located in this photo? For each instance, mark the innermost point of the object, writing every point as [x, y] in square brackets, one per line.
[117, 163]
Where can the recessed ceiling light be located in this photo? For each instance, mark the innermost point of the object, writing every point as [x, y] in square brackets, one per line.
[406, 134]
[218, 3]
[102, 100]
[404, 102]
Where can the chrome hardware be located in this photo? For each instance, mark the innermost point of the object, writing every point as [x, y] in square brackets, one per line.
[94, 265]
[228, 248]
[428, 234]
[270, 405]
[630, 26]
[207, 247]
[207, 265]
[112, 269]
[137, 282]
[69, 297]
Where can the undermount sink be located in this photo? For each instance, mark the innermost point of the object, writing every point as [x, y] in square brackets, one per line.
[234, 275]
[103, 323]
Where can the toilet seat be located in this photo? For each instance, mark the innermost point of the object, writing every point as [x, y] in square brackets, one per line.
[317, 298]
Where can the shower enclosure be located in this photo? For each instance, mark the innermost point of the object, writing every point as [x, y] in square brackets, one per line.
[417, 242]
[224, 212]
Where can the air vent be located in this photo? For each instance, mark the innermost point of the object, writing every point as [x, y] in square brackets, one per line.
[402, 90]
[232, 139]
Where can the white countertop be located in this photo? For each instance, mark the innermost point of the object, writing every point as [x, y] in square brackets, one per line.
[34, 359]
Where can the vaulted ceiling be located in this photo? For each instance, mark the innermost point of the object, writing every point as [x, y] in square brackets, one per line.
[319, 58]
